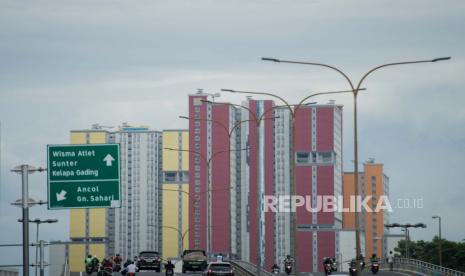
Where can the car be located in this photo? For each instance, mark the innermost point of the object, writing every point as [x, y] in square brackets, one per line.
[219, 268]
[194, 260]
[149, 260]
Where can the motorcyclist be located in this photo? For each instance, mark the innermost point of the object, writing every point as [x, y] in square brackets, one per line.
[361, 259]
[328, 262]
[169, 266]
[106, 268]
[89, 264]
[131, 268]
[288, 263]
[334, 264]
[106, 264]
[374, 259]
[117, 259]
[128, 262]
[288, 260]
[88, 260]
[95, 262]
[353, 265]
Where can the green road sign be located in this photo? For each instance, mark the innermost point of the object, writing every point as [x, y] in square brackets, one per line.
[83, 176]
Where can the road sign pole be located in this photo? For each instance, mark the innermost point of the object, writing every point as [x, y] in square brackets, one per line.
[41, 265]
[25, 203]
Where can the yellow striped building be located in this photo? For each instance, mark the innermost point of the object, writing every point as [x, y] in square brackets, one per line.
[176, 197]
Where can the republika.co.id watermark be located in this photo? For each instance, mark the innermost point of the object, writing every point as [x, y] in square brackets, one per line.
[328, 203]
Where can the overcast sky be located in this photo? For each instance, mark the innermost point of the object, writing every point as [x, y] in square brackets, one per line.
[68, 64]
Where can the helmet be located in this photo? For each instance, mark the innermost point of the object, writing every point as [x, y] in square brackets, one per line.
[288, 256]
[89, 256]
[117, 254]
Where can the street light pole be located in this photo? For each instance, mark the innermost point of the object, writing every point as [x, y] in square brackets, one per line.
[407, 249]
[38, 222]
[293, 112]
[25, 170]
[355, 90]
[440, 240]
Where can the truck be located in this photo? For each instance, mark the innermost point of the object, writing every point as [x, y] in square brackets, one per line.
[194, 260]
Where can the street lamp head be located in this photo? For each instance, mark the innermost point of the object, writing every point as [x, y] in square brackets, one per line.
[51, 220]
[183, 117]
[441, 59]
[206, 101]
[169, 148]
[228, 90]
[271, 59]
[435, 217]
[420, 225]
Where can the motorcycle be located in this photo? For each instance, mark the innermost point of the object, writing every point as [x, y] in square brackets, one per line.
[169, 272]
[328, 269]
[275, 270]
[352, 271]
[288, 269]
[90, 269]
[105, 271]
[117, 268]
[375, 268]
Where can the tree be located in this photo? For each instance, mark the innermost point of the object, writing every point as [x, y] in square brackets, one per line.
[453, 253]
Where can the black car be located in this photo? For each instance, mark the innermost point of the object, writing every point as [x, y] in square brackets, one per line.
[149, 260]
[219, 268]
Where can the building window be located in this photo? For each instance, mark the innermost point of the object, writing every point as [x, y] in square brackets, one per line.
[302, 157]
[197, 101]
[170, 176]
[326, 157]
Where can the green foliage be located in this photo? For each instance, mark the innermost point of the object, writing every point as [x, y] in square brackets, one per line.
[453, 253]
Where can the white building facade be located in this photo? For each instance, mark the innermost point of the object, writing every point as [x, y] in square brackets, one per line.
[136, 226]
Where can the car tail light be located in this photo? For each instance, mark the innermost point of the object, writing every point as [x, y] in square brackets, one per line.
[209, 272]
[231, 272]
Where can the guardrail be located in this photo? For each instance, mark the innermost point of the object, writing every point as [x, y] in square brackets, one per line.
[243, 268]
[424, 267]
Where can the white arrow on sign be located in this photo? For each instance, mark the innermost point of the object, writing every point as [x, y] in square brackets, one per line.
[109, 159]
[61, 195]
